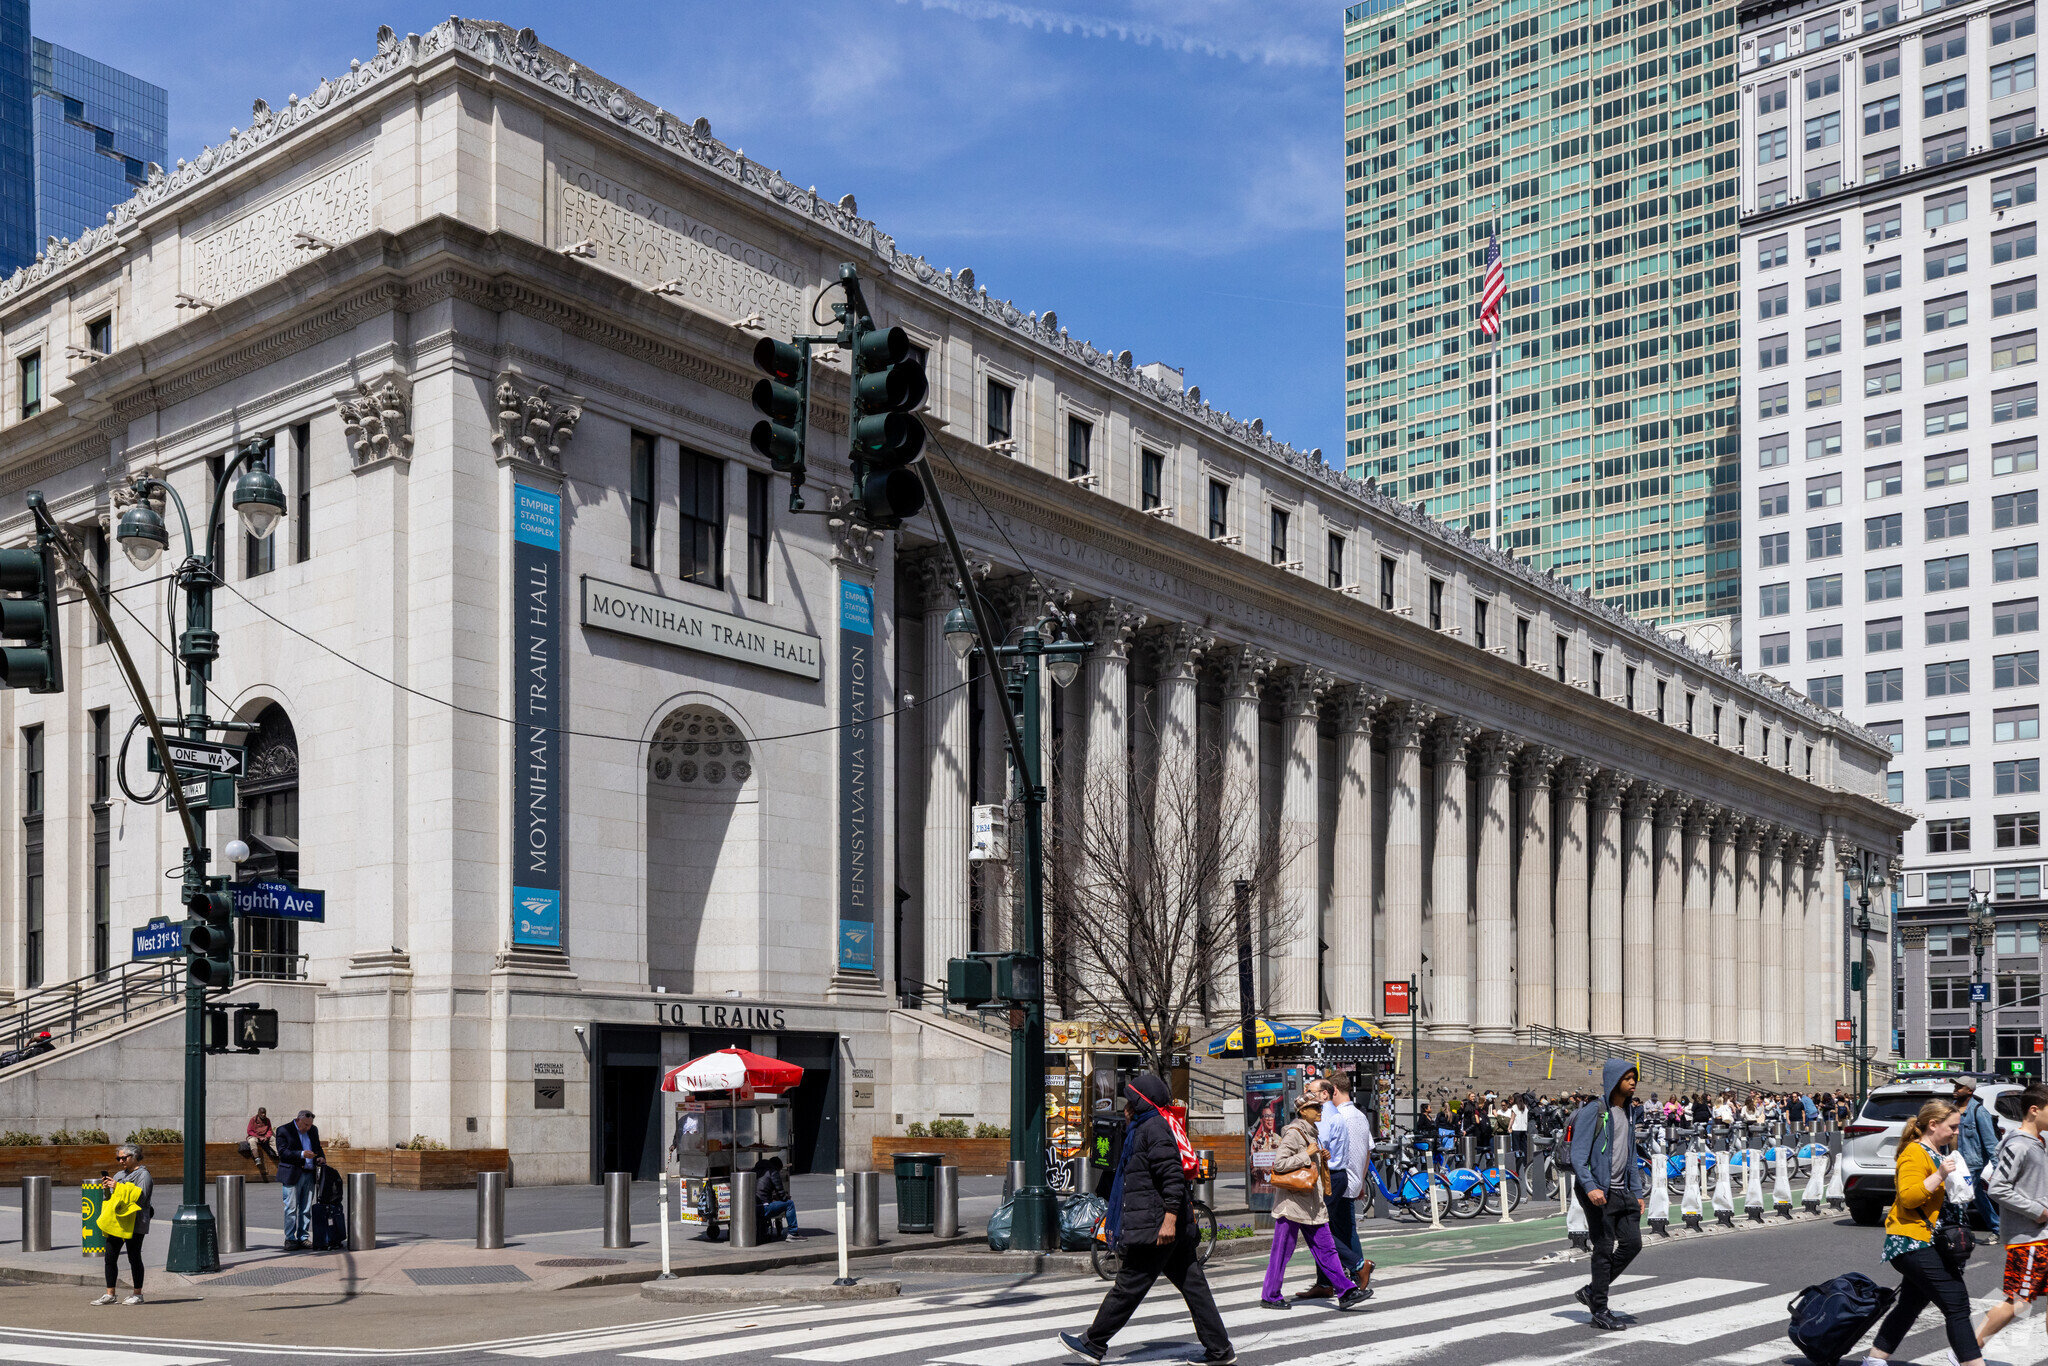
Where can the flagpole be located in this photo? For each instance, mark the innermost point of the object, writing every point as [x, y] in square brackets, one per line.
[1496, 442]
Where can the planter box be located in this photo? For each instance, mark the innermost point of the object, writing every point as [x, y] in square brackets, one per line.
[396, 1169]
[973, 1156]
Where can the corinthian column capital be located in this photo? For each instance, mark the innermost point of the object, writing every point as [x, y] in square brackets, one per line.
[1539, 762]
[1574, 779]
[1406, 723]
[1302, 689]
[1607, 789]
[1674, 809]
[1244, 669]
[1111, 623]
[1178, 650]
[1454, 735]
[1356, 709]
[1640, 799]
[1496, 752]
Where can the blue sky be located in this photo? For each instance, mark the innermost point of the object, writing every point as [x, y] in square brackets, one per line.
[1165, 175]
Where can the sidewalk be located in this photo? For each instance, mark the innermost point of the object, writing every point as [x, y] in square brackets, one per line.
[426, 1244]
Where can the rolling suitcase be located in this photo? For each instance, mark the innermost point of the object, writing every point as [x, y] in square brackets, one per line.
[328, 1222]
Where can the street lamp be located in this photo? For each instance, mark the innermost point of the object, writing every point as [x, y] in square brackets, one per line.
[1867, 876]
[1036, 1213]
[144, 537]
[1983, 930]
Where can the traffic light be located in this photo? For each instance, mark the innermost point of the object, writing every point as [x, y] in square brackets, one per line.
[888, 384]
[210, 939]
[31, 618]
[783, 400]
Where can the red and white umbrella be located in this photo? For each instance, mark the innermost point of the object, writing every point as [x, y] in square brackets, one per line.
[731, 1069]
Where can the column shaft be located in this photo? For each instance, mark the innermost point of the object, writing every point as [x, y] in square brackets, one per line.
[1295, 958]
[946, 832]
[1404, 842]
[1699, 900]
[1792, 947]
[1573, 929]
[1450, 910]
[1639, 921]
[1494, 893]
[1771, 947]
[1603, 939]
[1240, 798]
[1721, 939]
[1669, 987]
[1535, 931]
[1748, 973]
[1351, 985]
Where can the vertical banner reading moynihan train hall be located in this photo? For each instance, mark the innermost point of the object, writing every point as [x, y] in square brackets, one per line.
[857, 754]
[537, 713]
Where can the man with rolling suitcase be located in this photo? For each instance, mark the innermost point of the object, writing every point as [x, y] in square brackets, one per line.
[299, 1159]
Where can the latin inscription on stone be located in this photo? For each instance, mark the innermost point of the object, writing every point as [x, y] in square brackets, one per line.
[256, 247]
[653, 243]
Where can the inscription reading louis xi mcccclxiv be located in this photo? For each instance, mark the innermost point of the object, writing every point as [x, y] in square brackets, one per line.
[653, 243]
[254, 248]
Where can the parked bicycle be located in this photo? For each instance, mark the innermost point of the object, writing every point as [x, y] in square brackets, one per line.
[1404, 1183]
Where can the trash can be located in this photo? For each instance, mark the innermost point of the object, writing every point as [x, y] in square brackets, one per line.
[917, 1179]
[92, 1195]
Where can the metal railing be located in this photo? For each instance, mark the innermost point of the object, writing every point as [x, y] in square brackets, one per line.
[125, 993]
[932, 996]
[1880, 1072]
[1651, 1067]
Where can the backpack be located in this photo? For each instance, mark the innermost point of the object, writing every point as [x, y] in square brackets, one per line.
[1830, 1318]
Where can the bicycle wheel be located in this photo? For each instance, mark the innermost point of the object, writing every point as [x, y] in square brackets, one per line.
[1415, 1188]
[1106, 1260]
[1205, 1232]
[1503, 1184]
[1468, 1193]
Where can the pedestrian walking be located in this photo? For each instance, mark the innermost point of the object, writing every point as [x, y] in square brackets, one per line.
[2018, 1183]
[299, 1159]
[1976, 1141]
[1927, 1275]
[1611, 1188]
[124, 1219]
[1340, 1138]
[1151, 1224]
[1299, 1211]
[1518, 1130]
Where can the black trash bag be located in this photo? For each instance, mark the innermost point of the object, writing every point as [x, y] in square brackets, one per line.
[1078, 1216]
[999, 1228]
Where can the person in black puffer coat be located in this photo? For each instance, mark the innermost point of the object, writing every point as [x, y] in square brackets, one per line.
[1151, 1222]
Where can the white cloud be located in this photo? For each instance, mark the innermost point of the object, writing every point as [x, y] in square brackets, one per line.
[1235, 37]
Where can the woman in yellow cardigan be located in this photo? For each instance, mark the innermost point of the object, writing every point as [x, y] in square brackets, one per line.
[1909, 1239]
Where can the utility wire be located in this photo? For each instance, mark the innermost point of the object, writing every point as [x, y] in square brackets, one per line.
[558, 730]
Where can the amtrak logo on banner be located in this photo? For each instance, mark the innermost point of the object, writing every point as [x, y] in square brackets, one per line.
[856, 775]
[537, 687]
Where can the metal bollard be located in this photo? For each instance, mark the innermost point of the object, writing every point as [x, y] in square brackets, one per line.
[867, 1208]
[746, 1212]
[946, 1203]
[1205, 1190]
[1468, 1147]
[362, 1211]
[1013, 1180]
[230, 1212]
[618, 1209]
[490, 1210]
[35, 1214]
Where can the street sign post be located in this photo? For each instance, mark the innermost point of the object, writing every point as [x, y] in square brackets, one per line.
[280, 900]
[160, 938]
[201, 756]
[215, 794]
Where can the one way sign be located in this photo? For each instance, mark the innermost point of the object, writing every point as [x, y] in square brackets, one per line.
[202, 756]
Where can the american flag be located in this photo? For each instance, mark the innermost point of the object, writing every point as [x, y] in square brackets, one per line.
[1494, 290]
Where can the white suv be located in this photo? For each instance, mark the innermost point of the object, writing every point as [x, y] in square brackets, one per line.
[1870, 1146]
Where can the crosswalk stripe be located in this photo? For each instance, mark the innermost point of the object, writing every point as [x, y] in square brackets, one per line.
[855, 1321]
[1534, 1322]
[1320, 1326]
[619, 1339]
[39, 1354]
[1714, 1323]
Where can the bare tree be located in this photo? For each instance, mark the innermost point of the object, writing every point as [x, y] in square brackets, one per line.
[1141, 894]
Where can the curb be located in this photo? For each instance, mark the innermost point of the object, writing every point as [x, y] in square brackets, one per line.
[827, 1255]
[747, 1290]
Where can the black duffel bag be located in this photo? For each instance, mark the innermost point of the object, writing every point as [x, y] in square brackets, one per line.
[1829, 1319]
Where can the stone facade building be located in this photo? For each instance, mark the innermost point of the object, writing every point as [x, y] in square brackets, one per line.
[604, 757]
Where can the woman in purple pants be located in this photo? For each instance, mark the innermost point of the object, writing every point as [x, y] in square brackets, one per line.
[1303, 1214]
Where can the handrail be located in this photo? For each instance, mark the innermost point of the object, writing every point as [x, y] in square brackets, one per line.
[1652, 1066]
[124, 992]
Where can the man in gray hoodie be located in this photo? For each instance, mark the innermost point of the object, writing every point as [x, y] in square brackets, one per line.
[2017, 1179]
[1611, 1188]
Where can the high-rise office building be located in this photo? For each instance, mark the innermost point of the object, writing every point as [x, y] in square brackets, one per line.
[76, 138]
[1890, 240]
[1598, 141]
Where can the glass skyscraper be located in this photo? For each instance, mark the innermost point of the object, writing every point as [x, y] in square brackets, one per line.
[76, 138]
[1598, 140]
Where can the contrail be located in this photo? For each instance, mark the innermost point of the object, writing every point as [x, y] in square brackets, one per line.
[1145, 35]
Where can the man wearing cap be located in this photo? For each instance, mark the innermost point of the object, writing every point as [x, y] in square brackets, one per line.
[299, 1158]
[1977, 1141]
[1151, 1223]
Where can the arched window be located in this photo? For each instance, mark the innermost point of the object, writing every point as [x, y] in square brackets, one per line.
[704, 882]
[270, 827]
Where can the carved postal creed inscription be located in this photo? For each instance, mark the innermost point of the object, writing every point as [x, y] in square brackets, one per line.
[255, 247]
[653, 243]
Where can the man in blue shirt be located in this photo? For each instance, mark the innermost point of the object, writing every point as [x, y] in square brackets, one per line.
[1334, 1133]
[1977, 1141]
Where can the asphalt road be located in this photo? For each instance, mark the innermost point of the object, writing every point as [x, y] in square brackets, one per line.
[1716, 1301]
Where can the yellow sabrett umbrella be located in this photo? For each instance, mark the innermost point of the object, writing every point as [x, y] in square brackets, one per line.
[1346, 1027]
[1269, 1033]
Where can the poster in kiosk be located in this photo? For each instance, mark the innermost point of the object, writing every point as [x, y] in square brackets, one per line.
[1269, 1098]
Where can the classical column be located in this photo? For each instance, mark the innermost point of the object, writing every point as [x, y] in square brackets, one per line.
[1450, 886]
[1722, 937]
[1106, 790]
[1180, 809]
[1699, 936]
[1771, 944]
[1239, 813]
[946, 833]
[1603, 917]
[1792, 946]
[1405, 729]
[1352, 988]
[1639, 918]
[1573, 864]
[1535, 931]
[1494, 892]
[1748, 974]
[1821, 1009]
[1299, 910]
[1669, 986]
